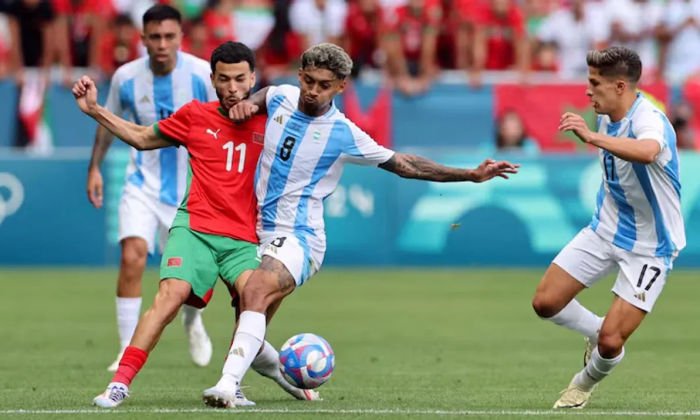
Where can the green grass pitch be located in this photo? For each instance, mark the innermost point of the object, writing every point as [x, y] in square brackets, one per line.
[413, 344]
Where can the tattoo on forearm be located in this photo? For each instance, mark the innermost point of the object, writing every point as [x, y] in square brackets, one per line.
[416, 167]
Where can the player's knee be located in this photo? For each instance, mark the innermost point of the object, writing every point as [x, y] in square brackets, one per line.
[171, 295]
[545, 306]
[134, 253]
[610, 344]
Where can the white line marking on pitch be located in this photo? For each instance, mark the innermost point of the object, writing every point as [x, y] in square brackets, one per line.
[370, 412]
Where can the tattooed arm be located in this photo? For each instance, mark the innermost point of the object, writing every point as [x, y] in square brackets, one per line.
[416, 167]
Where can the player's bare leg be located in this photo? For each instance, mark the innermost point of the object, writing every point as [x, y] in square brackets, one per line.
[265, 289]
[171, 295]
[131, 267]
[555, 301]
[620, 322]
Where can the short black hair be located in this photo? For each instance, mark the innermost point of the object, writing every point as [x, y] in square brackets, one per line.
[161, 12]
[231, 53]
[616, 62]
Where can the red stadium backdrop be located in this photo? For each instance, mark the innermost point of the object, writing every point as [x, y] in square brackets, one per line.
[541, 106]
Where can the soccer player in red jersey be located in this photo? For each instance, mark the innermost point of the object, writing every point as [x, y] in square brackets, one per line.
[214, 231]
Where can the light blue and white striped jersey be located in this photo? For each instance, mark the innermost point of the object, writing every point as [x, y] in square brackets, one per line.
[148, 98]
[639, 206]
[302, 162]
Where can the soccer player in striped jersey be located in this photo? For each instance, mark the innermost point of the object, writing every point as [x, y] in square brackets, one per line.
[637, 229]
[307, 142]
[148, 90]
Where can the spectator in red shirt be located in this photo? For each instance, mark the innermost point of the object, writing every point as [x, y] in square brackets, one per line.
[410, 38]
[500, 41]
[219, 19]
[198, 41]
[118, 46]
[361, 38]
[80, 25]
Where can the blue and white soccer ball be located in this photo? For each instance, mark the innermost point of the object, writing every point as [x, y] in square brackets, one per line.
[307, 361]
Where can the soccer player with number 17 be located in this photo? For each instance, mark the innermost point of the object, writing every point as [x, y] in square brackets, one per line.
[213, 234]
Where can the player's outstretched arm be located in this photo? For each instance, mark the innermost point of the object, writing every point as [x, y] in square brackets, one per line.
[416, 167]
[139, 137]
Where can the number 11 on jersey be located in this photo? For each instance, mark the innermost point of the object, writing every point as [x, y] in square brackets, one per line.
[229, 147]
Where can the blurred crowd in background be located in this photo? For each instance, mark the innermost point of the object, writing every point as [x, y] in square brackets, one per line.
[411, 39]
[412, 42]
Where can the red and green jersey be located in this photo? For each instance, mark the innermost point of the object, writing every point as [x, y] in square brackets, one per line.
[220, 194]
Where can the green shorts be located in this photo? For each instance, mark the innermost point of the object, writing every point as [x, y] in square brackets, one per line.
[200, 259]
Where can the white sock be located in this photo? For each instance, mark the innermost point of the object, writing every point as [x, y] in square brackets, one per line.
[246, 343]
[577, 318]
[266, 362]
[128, 311]
[191, 317]
[596, 370]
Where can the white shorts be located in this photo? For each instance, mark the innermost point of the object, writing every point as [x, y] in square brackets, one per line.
[143, 217]
[640, 279]
[302, 257]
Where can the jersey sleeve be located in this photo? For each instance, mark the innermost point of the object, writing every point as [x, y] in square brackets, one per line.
[651, 127]
[176, 128]
[361, 149]
[114, 100]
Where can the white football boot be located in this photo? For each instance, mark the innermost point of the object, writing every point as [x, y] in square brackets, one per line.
[219, 398]
[114, 395]
[241, 400]
[114, 366]
[200, 344]
[573, 397]
[273, 372]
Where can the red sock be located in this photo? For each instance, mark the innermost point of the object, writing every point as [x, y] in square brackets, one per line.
[131, 363]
